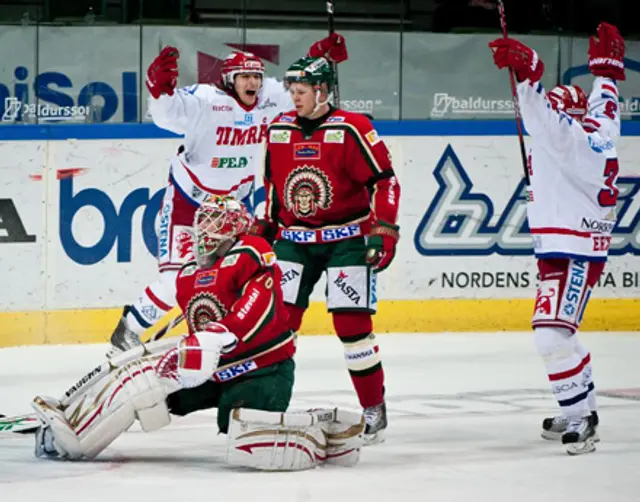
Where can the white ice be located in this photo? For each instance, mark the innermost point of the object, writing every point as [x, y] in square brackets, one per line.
[464, 410]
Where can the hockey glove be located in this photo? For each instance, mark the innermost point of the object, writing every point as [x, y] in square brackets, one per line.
[162, 75]
[332, 47]
[265, 229]
[606, 53]
[381, 245]
[524, 61]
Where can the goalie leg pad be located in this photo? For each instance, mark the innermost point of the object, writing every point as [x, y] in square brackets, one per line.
[107, 409]
[273, 441]
[344, 430]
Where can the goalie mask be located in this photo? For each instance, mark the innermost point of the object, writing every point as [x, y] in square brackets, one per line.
[218, 222]
[569, 99]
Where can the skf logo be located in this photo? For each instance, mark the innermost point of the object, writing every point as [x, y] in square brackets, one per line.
[306, 151]
[235, 371]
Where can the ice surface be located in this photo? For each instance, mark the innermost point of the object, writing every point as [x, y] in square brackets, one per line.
[464, 410]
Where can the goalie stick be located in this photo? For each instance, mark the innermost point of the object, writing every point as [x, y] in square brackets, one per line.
[27, 424]
[516, 104]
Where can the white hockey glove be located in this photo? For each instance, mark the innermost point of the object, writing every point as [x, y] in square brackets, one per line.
[195, 357]
[294, 441]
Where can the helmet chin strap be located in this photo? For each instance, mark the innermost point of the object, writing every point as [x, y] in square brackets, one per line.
[320, 103]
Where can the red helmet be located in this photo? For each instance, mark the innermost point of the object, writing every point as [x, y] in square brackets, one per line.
[569, 99]
[240, 62]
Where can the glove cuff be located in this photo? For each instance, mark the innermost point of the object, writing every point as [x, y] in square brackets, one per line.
[383, 229]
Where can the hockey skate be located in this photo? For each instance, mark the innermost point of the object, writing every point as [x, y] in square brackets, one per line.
[580, 436]
[376, 423]
[122, 338]
[554, 427]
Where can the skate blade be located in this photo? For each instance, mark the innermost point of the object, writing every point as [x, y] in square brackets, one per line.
[375, 438]
[581, 448]
[557, 436]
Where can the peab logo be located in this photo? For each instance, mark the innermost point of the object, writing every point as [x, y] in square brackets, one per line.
[463, 221]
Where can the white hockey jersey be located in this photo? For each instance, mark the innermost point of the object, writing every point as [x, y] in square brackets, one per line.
[223, 137]
[573, 169]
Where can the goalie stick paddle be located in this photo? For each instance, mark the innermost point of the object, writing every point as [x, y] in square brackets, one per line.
[516, 104]
[27, 424]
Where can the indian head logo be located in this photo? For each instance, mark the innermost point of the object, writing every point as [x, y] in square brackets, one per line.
[306, 190]
[203, 309]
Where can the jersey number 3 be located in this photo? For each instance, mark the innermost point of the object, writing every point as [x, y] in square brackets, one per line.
[608, 196]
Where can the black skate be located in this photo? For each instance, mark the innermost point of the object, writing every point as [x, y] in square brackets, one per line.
[580, 436]
[376, 423]
[554, 427]
[122, 338]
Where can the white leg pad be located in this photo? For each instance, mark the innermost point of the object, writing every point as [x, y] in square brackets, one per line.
[345, 435]
[108, 408]
[273, 441]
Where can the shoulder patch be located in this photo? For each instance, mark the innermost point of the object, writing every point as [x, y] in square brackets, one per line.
[269, 259]
[277, 136]
[372, 137]
[334, 136]
[188, 269]
[230, 261]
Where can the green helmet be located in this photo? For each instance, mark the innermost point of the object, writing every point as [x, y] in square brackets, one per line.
[310, 70]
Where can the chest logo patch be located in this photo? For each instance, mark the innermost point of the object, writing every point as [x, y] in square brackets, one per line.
[306, 190]
[204, 308]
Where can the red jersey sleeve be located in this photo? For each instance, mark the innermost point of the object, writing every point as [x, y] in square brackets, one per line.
[255, 274]
[369, 162]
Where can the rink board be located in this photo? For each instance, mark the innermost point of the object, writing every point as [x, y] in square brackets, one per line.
[79, 223]
[399, 316]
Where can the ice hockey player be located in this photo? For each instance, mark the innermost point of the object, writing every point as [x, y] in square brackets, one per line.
[331, 205]
[237, 357]
[573, 167]
[224, 127]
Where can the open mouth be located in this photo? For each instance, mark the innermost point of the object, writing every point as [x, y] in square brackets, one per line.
[251, 92]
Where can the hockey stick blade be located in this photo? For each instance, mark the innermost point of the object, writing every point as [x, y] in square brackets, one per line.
[24, 424]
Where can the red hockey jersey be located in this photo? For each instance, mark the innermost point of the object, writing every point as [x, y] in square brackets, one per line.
[335, 181]
[242, 291]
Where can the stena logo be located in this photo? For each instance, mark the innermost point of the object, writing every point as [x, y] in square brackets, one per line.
[58, 97]
[464, 221]
[116, 222]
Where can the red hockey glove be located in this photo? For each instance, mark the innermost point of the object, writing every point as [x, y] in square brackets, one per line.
[332, 47]
[381, 245]
[606, 53]
[265, 229]
[508, 52]
[162, 75]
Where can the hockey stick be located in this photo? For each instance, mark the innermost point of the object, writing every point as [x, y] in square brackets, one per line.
[26, 424]
[336, 88]
[516, 104]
